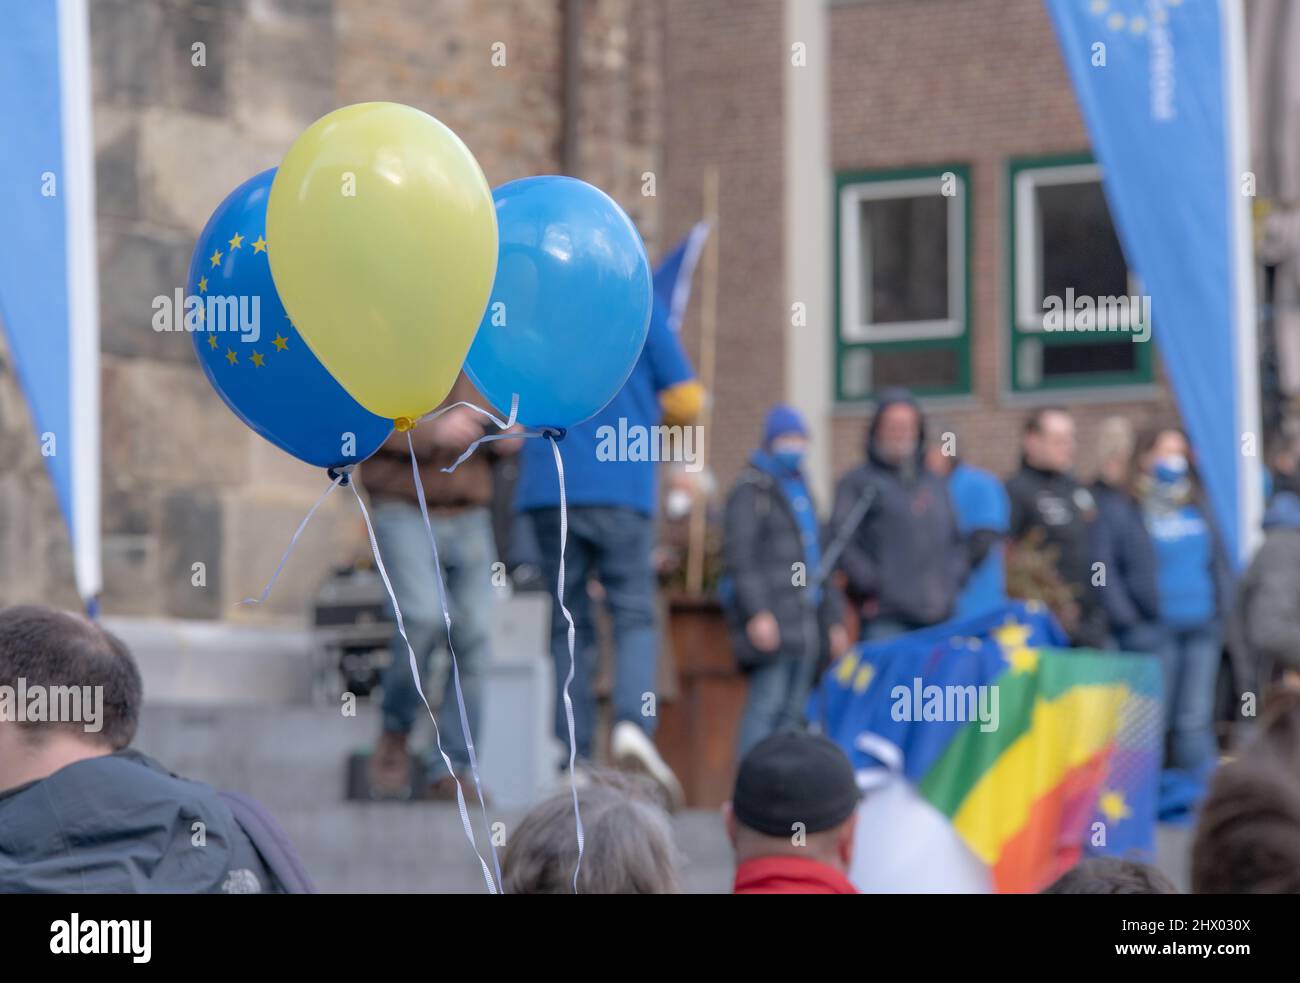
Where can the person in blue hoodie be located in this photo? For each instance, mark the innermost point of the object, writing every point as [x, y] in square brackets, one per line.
[784, 619]
[1193, 587]
[902, 555]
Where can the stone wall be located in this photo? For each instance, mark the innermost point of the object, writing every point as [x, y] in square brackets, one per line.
[184, 482]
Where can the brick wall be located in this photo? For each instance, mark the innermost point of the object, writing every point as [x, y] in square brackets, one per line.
[923, 82]
[723, 96]
[183, 480]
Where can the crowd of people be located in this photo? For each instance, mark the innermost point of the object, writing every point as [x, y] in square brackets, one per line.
[918, 535]
[82, 811]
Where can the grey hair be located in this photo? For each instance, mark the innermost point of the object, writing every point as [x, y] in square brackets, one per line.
[628, 847]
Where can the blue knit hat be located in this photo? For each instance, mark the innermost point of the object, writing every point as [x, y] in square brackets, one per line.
[781, 420]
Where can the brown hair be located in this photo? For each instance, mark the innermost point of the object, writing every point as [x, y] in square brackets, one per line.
[56, 649]
[1111, 875]
[1248, 837]
[1146, 440]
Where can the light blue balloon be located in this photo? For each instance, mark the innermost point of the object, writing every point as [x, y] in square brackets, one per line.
[570, 307]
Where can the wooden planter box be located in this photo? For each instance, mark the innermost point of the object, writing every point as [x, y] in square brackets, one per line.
[697, 729]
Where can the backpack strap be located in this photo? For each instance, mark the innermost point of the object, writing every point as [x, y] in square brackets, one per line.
[271, 842]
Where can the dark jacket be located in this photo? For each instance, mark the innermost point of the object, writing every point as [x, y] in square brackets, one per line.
[906, 559]
[122, 824]
[761, 544]
[1119, 539]
[1062, 509]
[1268, 598]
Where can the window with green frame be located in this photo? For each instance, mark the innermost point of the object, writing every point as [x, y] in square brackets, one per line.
[1064, 257]
[902, 281]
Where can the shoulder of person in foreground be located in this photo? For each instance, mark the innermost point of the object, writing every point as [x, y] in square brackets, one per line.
[121, 823]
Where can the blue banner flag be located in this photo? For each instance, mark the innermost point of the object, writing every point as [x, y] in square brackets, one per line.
[49, 305]
[1161, 84]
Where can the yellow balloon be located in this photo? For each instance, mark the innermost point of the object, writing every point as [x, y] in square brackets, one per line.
[382, 237]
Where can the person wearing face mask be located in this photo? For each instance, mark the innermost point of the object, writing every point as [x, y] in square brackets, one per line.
[783, 619]
[903, 558]
[1193, 583]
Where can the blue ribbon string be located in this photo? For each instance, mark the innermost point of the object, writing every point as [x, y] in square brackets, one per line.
[340, 476]
[455, 665]
[568, 700]
[554, 435]
[419, 685]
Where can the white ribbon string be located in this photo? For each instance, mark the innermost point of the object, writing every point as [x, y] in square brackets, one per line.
[266, 591]
[568, 700]
[455, 665]
[501, 424]
[486, 438]
[419, 685]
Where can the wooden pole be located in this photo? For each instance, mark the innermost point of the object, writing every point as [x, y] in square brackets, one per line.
[708, 351]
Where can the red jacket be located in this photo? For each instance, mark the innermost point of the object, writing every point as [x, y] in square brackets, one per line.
[790, 875]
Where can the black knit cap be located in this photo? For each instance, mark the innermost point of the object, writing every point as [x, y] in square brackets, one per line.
[794, 777]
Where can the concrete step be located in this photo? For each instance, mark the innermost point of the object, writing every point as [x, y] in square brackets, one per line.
[294, 759]
[418, 847]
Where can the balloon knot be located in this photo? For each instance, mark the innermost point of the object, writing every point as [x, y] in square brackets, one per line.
[403, 424]
[555, 433]
[341, 475]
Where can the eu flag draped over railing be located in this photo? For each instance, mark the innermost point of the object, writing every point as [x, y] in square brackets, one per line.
[1161, 84]
[1034, 753]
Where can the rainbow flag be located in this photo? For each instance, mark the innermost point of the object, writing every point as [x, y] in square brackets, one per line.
[1034, 753]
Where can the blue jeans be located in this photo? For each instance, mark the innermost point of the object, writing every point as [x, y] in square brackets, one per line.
[775, 700]
[1144, 638]
[1191, 665]
[613, 544]
[467, 550]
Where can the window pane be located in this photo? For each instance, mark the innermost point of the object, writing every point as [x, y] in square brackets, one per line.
[1079, 246]
[916, 368]
[1063, 360]
[905, 255]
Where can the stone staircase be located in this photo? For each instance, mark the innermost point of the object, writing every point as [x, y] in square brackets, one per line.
[295, 759]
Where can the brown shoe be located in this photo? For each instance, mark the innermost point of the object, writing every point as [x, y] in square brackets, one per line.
[444, 790]
[390, 767]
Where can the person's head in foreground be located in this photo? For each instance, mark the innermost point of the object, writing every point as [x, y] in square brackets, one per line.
[792, 816]
[81, 812]
[78, 687]
[627, 849]
[1111, 875]
[1248, 831]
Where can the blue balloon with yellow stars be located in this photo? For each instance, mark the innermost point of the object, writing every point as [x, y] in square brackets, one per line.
[254, 358]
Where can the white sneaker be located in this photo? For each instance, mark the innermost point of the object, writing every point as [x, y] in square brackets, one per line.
[633, 750]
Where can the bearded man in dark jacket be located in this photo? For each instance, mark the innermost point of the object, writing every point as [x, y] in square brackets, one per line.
[904, 559]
